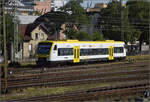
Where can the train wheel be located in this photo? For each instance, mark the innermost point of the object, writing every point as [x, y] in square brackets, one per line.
[38, 63]
[42, 63]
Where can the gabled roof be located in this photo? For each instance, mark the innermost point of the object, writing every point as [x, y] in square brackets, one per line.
[30, 28]
[27, 19]
[46, 22]
[22, 29]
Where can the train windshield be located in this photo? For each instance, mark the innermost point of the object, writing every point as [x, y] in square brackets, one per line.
[44, 48]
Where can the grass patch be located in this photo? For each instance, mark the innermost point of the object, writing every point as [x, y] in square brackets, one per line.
[121, 98]
[28, 63]
[31, 92]
[139, 57]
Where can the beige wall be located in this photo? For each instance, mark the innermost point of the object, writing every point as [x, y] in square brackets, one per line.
[29, 48]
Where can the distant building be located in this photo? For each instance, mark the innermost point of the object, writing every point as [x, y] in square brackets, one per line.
[56, 4]
[20, 7]
[27, 2]
[43, 6]
[94, 12]
[97, 7]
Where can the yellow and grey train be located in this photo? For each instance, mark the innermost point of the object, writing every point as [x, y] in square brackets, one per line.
[77, 51]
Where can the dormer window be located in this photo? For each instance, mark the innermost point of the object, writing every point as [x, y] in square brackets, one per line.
[36, 36]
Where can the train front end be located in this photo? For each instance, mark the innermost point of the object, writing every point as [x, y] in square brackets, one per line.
[43, 53]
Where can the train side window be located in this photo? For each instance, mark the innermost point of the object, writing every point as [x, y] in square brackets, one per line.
[100, 51]
[118, 50]
[55, 47]
[65, 51]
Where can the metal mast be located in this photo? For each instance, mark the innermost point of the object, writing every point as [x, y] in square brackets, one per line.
[15, 38]
[4, 44]
[121, 21]
[0, 41]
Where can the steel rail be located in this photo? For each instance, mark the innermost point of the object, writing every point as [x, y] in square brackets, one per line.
[81, 67]
[75, 74]
[39, 75]
[78, 81]
[88, 94]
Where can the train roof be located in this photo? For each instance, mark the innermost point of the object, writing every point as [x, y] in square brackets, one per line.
[77, 41]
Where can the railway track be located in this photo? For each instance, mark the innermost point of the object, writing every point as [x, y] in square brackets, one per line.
[79, 78]
[130, 74]
[36, 70]
[90, 74]
[78, 69]
[90, 94]
[78, 72]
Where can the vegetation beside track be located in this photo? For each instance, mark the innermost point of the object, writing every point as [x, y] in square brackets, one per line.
[139, 57]
[41, 91]
[91, 92]
[122, 98]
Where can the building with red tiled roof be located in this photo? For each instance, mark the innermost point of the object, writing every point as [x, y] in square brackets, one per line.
[43, 6]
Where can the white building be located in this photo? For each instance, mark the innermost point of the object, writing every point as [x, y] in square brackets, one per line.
[56, 4]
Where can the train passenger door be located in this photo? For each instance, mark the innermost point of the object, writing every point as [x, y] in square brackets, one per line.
[111, 52]
[76, 54]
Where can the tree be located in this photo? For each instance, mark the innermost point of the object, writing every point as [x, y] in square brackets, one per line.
[9, 30]
[77, 15]
[97, 36]
[9, 33]
[82, 35]
[53, 21]
[139, 17]
[77, 12]
[70, 32]
[131, 34]
[109, 23]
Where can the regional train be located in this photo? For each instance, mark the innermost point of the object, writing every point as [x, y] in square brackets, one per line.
[78, 51]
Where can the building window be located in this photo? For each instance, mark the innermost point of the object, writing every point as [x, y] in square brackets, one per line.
[30, 50]
[42, 36]
[36, 36]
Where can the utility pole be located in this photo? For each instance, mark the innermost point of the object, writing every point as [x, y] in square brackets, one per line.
[0, 43]
[15, 38]
[4, 44]
[149, 41]
[121, 21]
